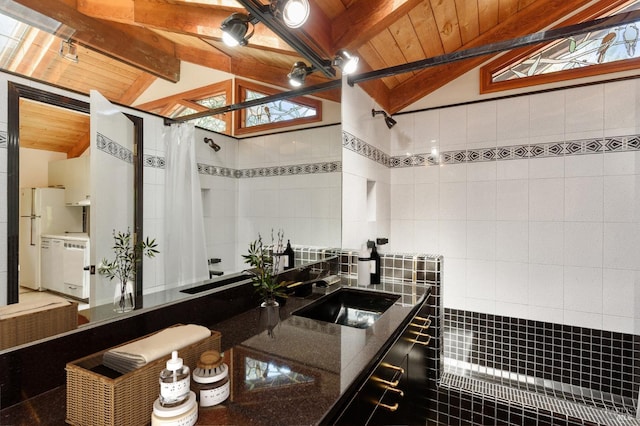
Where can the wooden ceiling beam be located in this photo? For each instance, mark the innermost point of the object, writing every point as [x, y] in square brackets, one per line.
[531, 19]
[196, 20]
[136, 89]
[137, 47]
[208, 58]
[361, 22]
[80, 146]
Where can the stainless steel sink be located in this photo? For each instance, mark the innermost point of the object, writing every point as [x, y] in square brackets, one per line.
[349, 306]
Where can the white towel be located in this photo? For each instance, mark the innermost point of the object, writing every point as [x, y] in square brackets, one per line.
[134, 355]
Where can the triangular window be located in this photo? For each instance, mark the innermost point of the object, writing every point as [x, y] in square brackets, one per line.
[593, 53]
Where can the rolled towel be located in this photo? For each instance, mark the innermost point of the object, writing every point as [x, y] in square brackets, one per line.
[134, 355]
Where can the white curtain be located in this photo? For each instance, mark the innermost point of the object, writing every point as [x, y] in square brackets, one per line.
[185, 246]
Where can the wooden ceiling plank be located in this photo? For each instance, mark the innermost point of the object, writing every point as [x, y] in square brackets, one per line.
[447, 20]
[406, 39]
[529, 20]
[388, 50]
[361, 22]
[506, 8]
[488, 11]
[375, 61]
[468, 20]
[109, 40]
[425, 26]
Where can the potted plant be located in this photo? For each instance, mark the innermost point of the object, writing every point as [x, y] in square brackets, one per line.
[264, 268]
[123, 266]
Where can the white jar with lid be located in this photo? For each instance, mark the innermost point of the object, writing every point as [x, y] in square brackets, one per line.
[211, 379]
[185, 414]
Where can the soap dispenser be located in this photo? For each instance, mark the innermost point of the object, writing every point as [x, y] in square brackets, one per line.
[176, 404]
[174, 382]
[289, 259]
[375, 263]
[364, 266]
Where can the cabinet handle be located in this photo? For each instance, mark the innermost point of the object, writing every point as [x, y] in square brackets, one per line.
[420, 342]
[392, 367]
[427, 323]
[396, 390]
[392, 384]
[391, 408]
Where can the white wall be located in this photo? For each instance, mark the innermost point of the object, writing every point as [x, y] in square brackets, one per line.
[553, 239]
[34, 166]
[366, 192]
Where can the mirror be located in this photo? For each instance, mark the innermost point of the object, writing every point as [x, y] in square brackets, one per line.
[312, 186]
[23, 102]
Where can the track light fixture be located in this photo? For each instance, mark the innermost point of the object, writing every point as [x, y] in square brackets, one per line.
[387, 118]
[298, 73]
[294, 13]
[235, 28]
[69, 51]
[345, 61]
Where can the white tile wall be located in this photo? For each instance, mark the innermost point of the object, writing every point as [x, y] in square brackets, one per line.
[307, 207]
[553, 239]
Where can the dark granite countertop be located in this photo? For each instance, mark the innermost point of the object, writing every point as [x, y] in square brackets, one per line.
[296, 373]
[292, 375]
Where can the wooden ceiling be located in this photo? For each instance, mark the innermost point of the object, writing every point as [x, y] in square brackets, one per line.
[51, 128]
[126, 44]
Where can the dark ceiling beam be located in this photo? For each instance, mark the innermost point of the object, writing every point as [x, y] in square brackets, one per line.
[501, 46]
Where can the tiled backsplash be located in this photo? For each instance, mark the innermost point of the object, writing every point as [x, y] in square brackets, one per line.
[399, 273]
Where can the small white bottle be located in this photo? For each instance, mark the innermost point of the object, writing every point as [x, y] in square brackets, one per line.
[175, 382]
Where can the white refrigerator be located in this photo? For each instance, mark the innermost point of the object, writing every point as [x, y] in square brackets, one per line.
[42, 211]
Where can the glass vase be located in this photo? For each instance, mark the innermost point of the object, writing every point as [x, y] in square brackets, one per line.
[124, 297]
[270, 316]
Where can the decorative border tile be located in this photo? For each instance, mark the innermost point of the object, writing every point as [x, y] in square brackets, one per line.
[206, 169]
[296, 169]
[3, 139]
[114, 149]
[359, 146]
[518, 152]
[154, 161]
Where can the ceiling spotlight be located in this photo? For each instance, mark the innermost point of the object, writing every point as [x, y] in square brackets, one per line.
[235, 27]
[345, 61]
[387, 118]
[298, 74]
[294, 12]
[69, 51]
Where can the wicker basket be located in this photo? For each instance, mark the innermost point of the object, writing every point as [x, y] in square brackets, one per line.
[27, 327]
[94, 399]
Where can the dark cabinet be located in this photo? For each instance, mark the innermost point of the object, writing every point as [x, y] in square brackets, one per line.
[395, 391]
